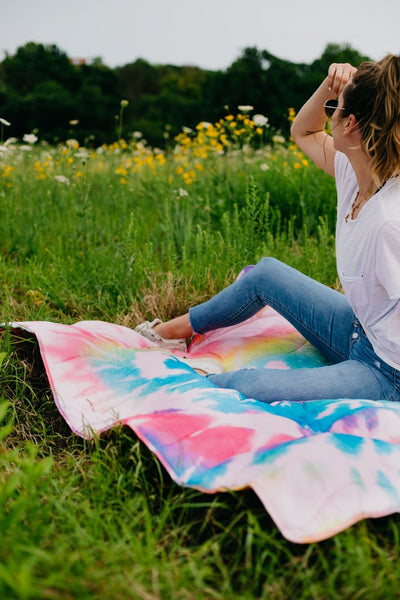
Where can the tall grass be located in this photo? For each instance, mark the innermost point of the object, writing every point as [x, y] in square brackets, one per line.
[124, 240]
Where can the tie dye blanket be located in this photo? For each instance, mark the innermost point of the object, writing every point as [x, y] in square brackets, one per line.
[317, 467]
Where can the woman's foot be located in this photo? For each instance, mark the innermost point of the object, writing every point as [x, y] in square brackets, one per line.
[177, 328]
[149, 331]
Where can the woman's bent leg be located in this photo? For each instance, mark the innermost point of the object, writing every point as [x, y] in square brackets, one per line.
[322, 315]
[347, 379]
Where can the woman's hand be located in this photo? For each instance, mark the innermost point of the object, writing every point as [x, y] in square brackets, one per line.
[339, 75]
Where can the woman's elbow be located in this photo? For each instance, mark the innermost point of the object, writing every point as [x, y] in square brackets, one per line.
[294, 132]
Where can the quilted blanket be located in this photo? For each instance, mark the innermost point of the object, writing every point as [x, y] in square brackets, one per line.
[317, 467]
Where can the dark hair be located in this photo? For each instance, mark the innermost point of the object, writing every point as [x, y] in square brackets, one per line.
[373, 97]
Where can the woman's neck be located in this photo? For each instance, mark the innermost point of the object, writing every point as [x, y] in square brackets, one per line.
[363, 171]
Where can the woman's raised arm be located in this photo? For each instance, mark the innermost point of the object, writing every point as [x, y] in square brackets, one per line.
[308, 129]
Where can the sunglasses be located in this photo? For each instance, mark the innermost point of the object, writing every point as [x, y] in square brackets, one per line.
[330, 106]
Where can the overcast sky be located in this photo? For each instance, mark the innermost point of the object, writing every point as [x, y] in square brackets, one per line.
[207, 33]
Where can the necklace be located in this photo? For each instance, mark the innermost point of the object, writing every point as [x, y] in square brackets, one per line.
[361, 199]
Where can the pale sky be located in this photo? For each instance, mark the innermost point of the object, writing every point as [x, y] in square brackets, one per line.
[208, 33]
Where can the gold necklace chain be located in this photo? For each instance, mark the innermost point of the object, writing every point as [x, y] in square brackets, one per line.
[359, 200]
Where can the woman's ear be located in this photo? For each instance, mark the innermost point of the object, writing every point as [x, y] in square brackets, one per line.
[351, 124]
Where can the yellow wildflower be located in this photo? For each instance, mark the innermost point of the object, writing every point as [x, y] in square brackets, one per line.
[36, 297]
[72, 144]
[212, 133]
[291, 115]
[7, 171]
[121, 171]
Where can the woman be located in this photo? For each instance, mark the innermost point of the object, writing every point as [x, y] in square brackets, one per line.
[359, 332]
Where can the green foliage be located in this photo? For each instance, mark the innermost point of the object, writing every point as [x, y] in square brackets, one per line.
[41, 89]
[338, 53]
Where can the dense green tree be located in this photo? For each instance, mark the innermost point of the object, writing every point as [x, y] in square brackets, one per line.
[41, 89]
[245, 81]
[97, 103]
[34, 63]
[337, 53]
[162, 95]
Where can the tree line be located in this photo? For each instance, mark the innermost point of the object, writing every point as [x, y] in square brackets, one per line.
[43, 91]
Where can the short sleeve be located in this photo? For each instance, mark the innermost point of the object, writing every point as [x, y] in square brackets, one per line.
[341, 166]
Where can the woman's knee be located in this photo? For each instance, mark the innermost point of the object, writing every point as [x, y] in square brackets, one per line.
[268, 267]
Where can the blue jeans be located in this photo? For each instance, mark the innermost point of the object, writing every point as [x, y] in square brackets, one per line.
[323, 316]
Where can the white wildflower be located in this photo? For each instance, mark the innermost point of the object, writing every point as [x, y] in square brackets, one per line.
[183, 192]
[245, 108]
[74, 122]
[278, 139]
[25, 148]
[4, 122]
[124, 103]
[187, 129]
[30, 138]
[3, 149]
[83, 154]
[137, 135]
[71, 143]
[260, 120]
[204, 124]
[11, 140]
[62, 179]
[264, 167]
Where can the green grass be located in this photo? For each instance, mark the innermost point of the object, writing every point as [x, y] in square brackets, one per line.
[102, 519]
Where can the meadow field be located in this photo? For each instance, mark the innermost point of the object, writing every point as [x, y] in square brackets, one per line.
[120, 233]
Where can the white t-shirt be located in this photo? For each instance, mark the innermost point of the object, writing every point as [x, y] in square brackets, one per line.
[368, 259]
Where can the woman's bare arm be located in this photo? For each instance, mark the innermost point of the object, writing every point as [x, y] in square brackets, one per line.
[308, 127]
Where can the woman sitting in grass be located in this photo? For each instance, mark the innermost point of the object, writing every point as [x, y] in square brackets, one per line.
[359, 332]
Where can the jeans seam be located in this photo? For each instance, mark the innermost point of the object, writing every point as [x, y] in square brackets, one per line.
[294, 319]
